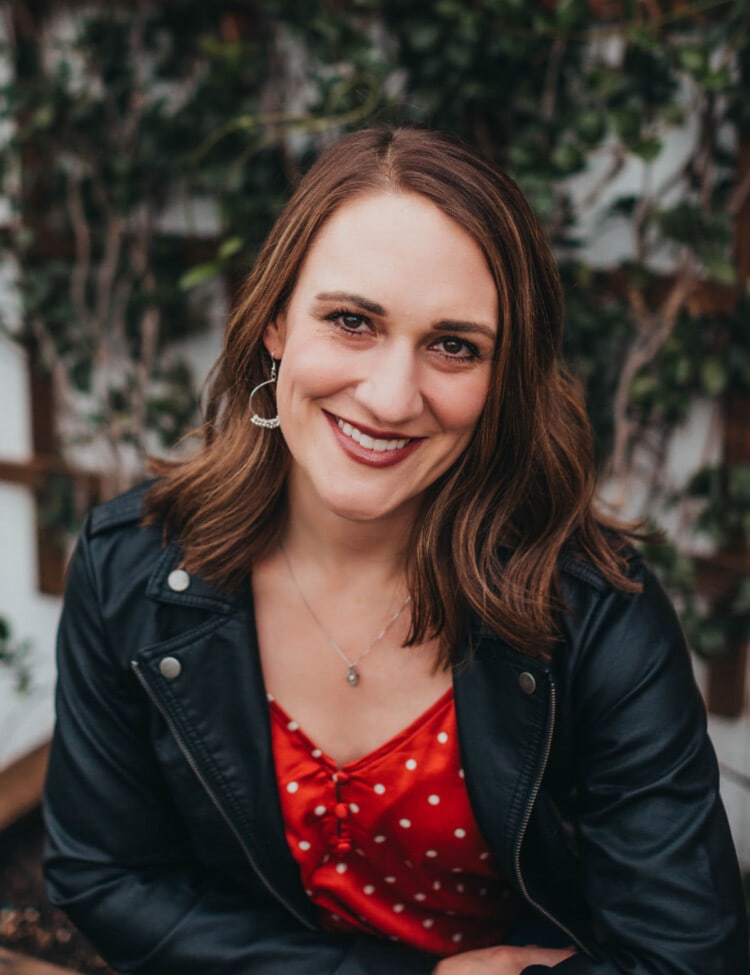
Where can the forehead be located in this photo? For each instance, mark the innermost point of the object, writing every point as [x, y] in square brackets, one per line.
[390, 245]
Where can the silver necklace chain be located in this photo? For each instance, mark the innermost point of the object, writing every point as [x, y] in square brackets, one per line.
[352, 666]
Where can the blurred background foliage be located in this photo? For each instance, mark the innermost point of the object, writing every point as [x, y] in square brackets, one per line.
[14, 657]
[121, 114]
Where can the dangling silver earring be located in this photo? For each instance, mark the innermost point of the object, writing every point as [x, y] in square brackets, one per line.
[262, 421]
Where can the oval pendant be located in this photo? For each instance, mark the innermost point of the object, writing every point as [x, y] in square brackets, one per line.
[352, 677]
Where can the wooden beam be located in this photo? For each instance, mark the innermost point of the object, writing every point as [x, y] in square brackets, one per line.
[727, 674]
[33, 473]
[51, 547]
[726, 682]
[21, 785]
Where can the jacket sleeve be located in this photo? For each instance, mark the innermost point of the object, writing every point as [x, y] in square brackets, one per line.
[117, 859]
[660, 872]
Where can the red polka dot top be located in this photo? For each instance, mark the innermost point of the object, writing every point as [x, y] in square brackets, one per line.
[388, 844]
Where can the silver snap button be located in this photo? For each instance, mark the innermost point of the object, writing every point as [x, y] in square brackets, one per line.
[170, 667]
[526, 682]
[178, 580]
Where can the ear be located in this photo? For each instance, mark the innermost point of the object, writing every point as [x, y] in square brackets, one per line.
[273, 337]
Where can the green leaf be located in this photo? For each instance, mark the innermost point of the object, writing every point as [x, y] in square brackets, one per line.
[648, 149]
[739, 482]
[643, 387]
[229, 248]
[198, 274]
[703, 483]
[42, 117]
[683, 223]
[566, 158]
[683, 370]
[693, 59]
[423, 35]
[644, 38]
[626, 123]
[721, 269]
[590, 127]
[713, 374]
[716, 80]
[570, 13]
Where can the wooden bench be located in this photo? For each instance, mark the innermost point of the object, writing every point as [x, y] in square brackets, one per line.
[21, 785]
[12, 963]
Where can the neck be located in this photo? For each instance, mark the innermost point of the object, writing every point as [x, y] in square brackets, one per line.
[343, 547]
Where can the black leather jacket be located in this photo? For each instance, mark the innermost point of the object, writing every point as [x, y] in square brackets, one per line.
[592, 781]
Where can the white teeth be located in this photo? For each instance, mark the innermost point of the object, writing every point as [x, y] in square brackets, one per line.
[379, 446]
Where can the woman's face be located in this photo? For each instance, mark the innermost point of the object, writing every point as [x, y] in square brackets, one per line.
[386, 350]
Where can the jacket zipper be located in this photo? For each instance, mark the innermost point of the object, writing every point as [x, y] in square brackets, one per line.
[212, 796]
[527, 817]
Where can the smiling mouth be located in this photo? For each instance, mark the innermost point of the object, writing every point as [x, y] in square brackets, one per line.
[378, 444]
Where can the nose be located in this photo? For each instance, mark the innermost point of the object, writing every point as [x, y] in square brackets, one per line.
[390, 389]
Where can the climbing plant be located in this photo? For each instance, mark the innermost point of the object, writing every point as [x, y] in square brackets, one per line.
[623, 117]
[14, 657]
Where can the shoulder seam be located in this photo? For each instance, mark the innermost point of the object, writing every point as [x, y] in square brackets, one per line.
[583, 571]
[126, 508]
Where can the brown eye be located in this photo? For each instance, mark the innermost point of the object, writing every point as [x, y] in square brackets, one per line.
[351, 321]
[459, 350]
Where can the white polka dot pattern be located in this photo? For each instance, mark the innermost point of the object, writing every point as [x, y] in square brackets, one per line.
[379, 840]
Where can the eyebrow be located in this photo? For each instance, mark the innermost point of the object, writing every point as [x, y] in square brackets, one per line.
[462, 328]
[372, 306]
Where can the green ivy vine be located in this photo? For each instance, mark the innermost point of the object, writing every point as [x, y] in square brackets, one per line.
[130, 112]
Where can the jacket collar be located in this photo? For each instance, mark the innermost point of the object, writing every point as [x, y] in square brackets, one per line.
[198, 593]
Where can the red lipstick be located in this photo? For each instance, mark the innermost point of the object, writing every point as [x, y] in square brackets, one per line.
[364, 455]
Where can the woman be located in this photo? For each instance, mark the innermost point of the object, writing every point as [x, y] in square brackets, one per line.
[377, 691]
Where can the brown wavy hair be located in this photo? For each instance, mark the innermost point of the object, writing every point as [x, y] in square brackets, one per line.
[491, 529]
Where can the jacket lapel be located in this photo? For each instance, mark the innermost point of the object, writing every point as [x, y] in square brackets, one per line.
[214, 701]
[504, 715]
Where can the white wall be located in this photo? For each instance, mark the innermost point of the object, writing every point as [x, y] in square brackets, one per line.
[26, 720]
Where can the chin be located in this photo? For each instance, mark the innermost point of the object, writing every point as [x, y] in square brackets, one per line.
[360, 514]
[359, 510]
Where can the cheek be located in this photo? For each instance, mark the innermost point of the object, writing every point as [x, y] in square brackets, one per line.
[461, 408]
[304, 378]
